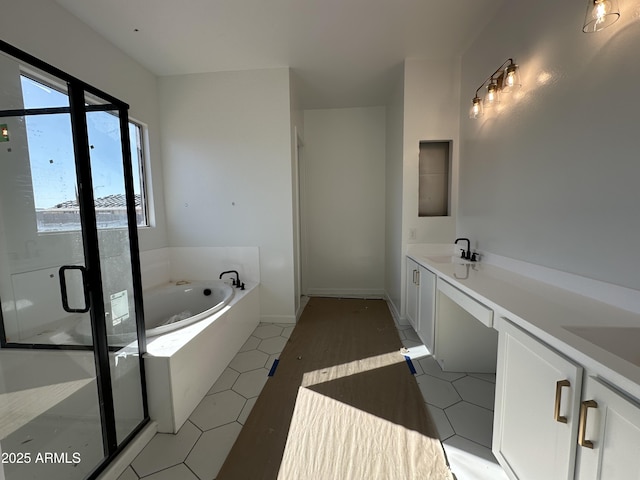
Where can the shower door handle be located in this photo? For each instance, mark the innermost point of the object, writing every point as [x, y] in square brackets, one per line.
[63, 288]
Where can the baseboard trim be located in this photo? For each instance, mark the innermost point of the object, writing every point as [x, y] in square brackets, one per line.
[304, 299]
[347, 293]
[278, 319]
[397, 318]
[117, 467]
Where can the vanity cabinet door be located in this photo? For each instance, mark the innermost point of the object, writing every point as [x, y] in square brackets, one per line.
[609, 448]
[413, 282]
[427, 307]
[536, 410]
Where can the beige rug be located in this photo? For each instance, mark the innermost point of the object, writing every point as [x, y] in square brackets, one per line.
[342, 404]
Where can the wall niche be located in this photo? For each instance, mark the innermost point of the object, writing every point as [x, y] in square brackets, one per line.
[434, 177]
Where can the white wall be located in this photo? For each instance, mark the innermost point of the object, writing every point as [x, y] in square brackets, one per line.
[226, 139]
[45, 30]
[297, 146]
[31, 25]
[552, 178]
[431, 98]
[431, 106]
[393, 195]
[344, 157]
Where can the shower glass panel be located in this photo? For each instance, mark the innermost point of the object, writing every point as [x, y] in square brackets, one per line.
[108, 175]
[49, 404]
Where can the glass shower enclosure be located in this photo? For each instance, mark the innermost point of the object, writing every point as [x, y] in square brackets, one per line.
[72, 391]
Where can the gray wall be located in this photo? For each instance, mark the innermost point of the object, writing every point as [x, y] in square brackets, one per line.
[552, 177]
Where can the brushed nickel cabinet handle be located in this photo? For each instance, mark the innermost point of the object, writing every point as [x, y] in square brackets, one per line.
[556, 411]
[582, 429]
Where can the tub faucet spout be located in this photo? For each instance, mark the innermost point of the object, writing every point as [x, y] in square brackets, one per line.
[234, 281]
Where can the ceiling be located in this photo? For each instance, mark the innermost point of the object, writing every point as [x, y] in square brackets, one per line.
[343, 52]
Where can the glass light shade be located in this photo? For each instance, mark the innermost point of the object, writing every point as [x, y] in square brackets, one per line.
[600, 14]
[476, 108]
[493, 95]
[511, 78]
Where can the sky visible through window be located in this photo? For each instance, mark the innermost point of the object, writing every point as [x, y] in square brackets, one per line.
[51, 149]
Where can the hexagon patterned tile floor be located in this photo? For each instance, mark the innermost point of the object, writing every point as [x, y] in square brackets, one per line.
[217, 410]
[460, 403]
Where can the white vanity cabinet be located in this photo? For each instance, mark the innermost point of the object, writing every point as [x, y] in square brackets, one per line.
[558, 416]
[421, 292]
[609, 434]
[536, 411]
[427, 307]
[548, 424]
[413, 286]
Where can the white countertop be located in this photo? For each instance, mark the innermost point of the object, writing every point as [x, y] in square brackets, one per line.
[543, 310]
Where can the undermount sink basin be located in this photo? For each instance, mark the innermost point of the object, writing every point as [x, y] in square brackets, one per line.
[623, 342]
[448, 259]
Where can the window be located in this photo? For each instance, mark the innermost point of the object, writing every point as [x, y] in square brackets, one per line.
[52, 163]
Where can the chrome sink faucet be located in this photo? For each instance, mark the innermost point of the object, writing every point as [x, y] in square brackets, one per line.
[467, 255]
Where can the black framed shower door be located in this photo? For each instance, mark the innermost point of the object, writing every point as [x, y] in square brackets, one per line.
[72, 329]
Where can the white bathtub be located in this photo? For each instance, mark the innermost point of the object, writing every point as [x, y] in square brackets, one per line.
[182, 365]
[166, 308]
[176, 305]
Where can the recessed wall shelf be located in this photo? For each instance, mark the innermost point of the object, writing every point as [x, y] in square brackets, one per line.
[434, 185]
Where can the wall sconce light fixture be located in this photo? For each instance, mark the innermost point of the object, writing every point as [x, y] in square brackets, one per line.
[504, 80]
[600, 14]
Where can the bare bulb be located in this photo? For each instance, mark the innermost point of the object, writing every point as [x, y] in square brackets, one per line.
[492, 97]
[510, 80]
[476, 108]
[600, 14]
[601, 9]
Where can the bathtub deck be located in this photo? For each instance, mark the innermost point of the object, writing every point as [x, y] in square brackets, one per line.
[182, 365]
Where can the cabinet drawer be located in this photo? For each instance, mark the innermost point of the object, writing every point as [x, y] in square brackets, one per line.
[479, 311]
